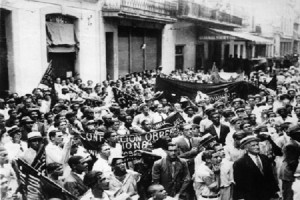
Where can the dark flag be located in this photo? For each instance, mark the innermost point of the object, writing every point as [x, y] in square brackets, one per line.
[29, 180]
[39, 162]
[53, 190]
[35, 186]
[272, 84]
[47, 78]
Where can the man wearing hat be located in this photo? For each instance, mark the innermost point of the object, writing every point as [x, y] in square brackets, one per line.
[217, 129]
[16, 147]
[189, 113]
[34, 144]
[26, 128]
[253, 173]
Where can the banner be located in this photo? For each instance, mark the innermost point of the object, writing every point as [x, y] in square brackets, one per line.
[179, 88]
[47, 78]
[130, 143]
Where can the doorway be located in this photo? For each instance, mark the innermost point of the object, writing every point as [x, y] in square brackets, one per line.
[109, 37]
[4, 82]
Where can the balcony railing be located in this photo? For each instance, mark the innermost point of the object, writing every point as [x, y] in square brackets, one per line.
[160, 9]
[196, 11]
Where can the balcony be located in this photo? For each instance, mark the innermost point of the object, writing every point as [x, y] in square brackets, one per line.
[197, 12]
[153, 10]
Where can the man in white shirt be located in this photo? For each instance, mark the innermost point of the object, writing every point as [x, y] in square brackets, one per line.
[102, 160]
[138, 119]
[111, 138]
[54, 150]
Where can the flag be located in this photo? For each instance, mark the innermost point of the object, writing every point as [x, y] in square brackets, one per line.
[272, 84]
[39, 162]
[35, 186]
[50, 190]
[47, 78]
[29, 181]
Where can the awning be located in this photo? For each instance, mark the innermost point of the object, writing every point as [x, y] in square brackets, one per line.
[61, 37]
[244, 36]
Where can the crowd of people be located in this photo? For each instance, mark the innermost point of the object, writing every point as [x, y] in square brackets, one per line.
[225, 149]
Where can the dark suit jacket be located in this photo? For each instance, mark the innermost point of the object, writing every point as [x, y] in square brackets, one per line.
[251, 184]
[185, 148]
[223, 133]
[162, 174]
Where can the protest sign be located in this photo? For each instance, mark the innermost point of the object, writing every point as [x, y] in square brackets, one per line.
[130, 143]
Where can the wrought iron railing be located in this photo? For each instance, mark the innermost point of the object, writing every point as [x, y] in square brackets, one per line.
[195, 10]
[143, 7]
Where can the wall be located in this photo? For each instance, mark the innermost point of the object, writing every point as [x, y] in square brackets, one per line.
[27, 55]
[186, 34]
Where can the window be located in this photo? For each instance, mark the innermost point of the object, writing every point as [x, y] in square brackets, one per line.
[179, 59]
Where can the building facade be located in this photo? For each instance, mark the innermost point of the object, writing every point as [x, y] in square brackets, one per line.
[100, 39]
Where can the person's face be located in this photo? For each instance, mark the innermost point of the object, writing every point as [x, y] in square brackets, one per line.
[215, 159]
[13, 114]
[50, 118]
[105, 150]
[58, 80]
[34, 116]
[16, 122]
[113, 138]
[58, 138]
[120, 165]
[172, 151]
[128, 120]
[237, 125]
[62, 126]
[247, 128]
[297, 111]
[215, 118]
[28, 103]
[236, 104]
[116, 126]
[164, 101]
[187, 131]
[102, 184]
[248, 110]
[270, 101]
[35, 144]
[146, 110]
[29, 124]
[190, 111]
[63, 82]
[160, 193]
[3, 157]
[253, 147]
[81, 167]
[17, 138]
[147, 126]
